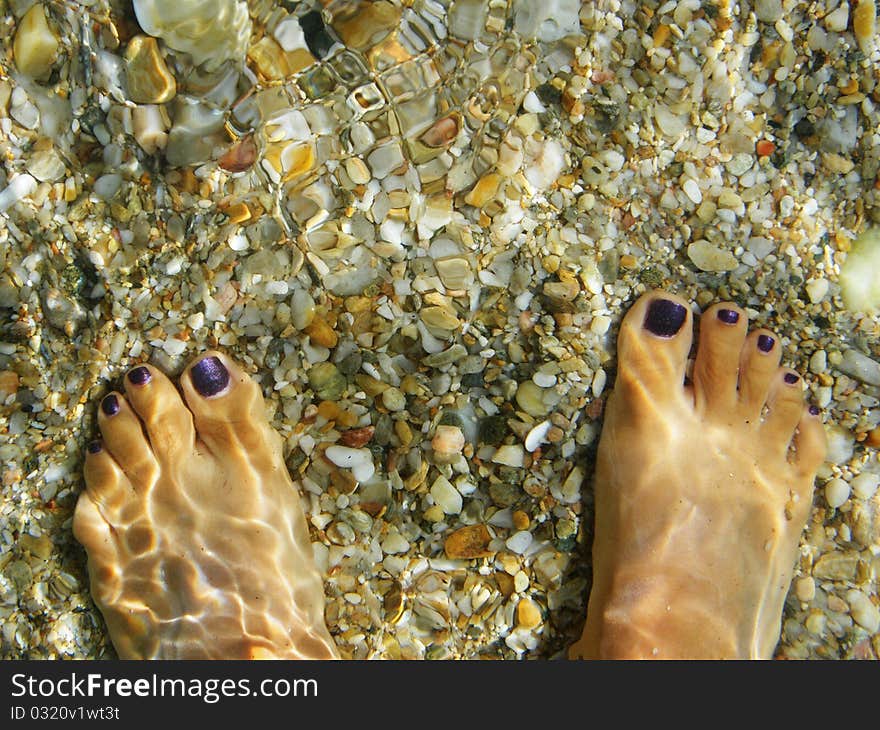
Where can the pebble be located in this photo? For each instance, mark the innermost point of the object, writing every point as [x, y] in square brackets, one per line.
[864, 486]
[836, 492]
[530, 397]
[468, 542]
[740, 164]
[536, 435]
[19, 188]
[510, 455]
[860, 366]
[326, 380]
[707, 256]
[805, 589]
[863, 611]
[817, 289]
[519, 542]
[146, 73]
[859, 284]
[528, 615]
[836, 565]
[692, 190]
[359, 461]
[840, 444]
[446, 496]
[818, 362]
[393, 399]
[447, 441]
[35, 47]
[838, 19]
[394, 544]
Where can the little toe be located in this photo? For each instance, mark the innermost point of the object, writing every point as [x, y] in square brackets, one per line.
[227, 405]
[716, 368]
[785, 405]
[125, 440]
[168, 421]
[809, 443]
[106, 483]
[653, 345]
[95, 534]
[759, 364]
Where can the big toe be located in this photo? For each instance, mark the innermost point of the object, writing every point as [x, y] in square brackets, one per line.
[653, 345]
[227, 406]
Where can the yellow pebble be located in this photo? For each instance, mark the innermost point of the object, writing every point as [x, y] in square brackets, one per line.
[528, 615]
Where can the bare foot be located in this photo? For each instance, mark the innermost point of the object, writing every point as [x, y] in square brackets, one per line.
[197, 544]
[702, 490]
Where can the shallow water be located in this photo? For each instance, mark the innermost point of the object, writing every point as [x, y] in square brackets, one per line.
[412, 214]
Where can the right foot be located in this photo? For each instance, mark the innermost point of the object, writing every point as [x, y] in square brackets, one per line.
[198, 546]
[702, 490]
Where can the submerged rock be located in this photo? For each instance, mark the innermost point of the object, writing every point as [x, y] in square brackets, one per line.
[211, 31]
[35, 47]
[860, 285]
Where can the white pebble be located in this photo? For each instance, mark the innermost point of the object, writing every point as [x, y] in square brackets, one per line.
[600, 324]
[544, 380]
[446, 496]
[360, 461]
[861, 367]
[519, 542]
[836, 492]
[863, 611]
[394, 544]
[509, 455]
[613, 160]
[19, 187]
[692, 190]
[865, 485]
[535, 437]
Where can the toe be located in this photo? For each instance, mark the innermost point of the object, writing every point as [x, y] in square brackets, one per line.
[809, 442]
[106, 483]
[722, 333]
[759, 364]
[227, 405]
[125, 440]
[95, 534]
[655, 338]
[168, 422]
[785, 405]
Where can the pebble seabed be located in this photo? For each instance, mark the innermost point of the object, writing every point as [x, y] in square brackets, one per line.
[418, 223]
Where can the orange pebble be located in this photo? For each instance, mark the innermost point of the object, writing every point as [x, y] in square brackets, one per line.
[765, 148]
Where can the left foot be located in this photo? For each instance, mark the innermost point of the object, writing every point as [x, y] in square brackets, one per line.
[198, 546]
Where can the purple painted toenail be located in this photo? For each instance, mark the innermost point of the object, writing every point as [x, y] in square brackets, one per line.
[94, 447]
[791, 378]
[139, 376]
[814, 410]
[728, 316]
[209, 376]
[665, 317]
[765, 343]
[110, 405]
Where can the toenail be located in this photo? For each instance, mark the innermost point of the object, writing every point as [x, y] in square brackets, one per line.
[209, 376]
[94, 447]
[765, 343]
[728, 316]
[665, 317]
[791, 378]
[814, 410]
[110, 405]
[139, 376]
